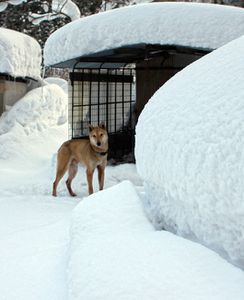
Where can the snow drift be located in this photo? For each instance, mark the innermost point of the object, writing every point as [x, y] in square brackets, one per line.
[38, 111]
[190, 152]
[116, 254]
[195, 25]
[20, 54]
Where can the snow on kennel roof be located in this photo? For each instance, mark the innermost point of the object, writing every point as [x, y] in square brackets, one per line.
[20, 54]
[194, 25]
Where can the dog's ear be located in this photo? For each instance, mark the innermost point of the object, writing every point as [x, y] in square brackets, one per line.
[90, 127]
[102, 125]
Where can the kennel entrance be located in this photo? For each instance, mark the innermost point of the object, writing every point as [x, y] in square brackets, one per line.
[108, 96]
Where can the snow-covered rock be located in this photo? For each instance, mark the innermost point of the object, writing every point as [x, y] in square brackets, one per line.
[116, 254]
[190, 152]
[196, 25]
[20, 54]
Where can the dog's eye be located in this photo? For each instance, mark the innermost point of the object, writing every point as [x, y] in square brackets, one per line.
[94, 135]
[101, 134]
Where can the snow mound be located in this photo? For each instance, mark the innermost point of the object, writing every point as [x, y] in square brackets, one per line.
[20, 54]
[202, 26]
[59, 81]
[189, 152]
[116, 254]
[38, 111]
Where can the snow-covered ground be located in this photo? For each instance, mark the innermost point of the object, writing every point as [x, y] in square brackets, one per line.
[96, 247]
[34, 226]
[106, 248]
[116, 254]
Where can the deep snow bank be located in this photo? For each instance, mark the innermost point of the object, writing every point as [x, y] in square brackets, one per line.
[29, 119]
[20, 54]
[116, 254]
[190, 152]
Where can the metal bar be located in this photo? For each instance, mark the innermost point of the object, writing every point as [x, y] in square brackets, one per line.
[94, 77]
[107, 99]
[130, 95]
[72, 102]
[123, 99]
[98, 97]
[90, 89]
[132, 122]
[82, 105]
[94, 104]
[115, 102]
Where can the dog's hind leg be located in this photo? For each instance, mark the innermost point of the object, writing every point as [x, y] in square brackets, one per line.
[73, 167]
[62, 166]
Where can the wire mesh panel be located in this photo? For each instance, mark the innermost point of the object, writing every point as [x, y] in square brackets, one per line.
[103, 95]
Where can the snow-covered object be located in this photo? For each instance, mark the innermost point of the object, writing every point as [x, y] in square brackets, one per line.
[20, 54]
[38, 110]
[60, 9]
[66, 7]
[116, 254]
[202, 26]
[4, 5]
[59, 81]
[190, 152]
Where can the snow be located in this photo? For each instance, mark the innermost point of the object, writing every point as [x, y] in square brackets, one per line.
[36, 257]
[4, 4]
[38, 110]
[34, 238]
[20, 55]
[196, 25]
[60, 9]
[116, 254]
[103, 246]
[68, 8]
[189, 152]
[59, 81]
[34, 227]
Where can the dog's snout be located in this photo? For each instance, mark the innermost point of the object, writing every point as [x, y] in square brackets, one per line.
[98, 143]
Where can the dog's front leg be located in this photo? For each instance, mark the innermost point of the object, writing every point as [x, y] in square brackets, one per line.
[101, 176]
[89, 175]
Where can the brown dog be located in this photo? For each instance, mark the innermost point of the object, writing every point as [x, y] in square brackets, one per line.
[92, 153]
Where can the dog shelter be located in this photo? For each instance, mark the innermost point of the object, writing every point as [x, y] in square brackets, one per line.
[118, 59]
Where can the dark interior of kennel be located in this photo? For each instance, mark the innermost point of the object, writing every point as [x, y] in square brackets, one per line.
[113, 86]
[104, 95]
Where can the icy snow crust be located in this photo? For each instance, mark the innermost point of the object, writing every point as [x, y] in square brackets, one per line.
[116, 254]
[190, 152]
[20, 54]
[203, 26]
